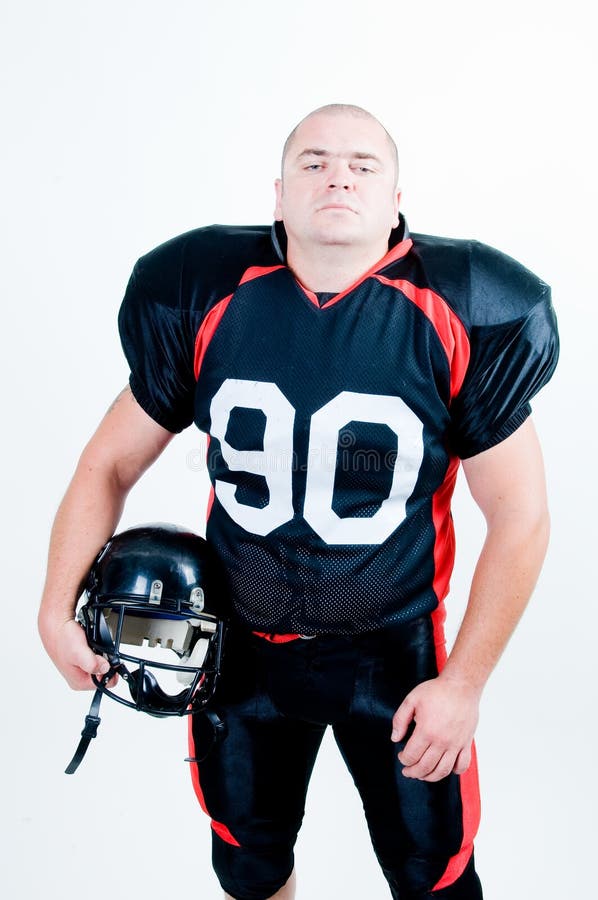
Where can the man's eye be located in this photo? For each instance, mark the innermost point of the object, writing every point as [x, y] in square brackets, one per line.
[313, 167]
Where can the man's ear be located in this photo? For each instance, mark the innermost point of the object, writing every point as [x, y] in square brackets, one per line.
[278, 194]
[397, 203]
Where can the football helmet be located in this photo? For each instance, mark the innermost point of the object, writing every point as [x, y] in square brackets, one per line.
[154, 607]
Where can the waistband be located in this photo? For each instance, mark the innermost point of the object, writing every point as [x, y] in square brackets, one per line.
[421, 625]
[283, 638]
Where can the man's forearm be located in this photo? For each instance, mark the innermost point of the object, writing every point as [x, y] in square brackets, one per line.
[86, 519]
[504, 578]
[445, 708]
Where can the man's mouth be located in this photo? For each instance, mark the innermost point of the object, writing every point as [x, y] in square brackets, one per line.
[342, 206]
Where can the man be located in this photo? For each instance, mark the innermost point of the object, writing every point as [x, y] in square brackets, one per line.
[342, 369]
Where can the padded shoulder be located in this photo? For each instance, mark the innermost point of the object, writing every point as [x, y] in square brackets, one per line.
[502, 289]
[205, 264]
[484, 286]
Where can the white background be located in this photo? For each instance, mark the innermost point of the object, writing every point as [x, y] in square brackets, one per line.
[127, 122]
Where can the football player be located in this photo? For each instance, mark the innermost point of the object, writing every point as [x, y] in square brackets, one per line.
[344, 369]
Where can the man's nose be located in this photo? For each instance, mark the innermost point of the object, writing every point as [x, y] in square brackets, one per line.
[340, 176]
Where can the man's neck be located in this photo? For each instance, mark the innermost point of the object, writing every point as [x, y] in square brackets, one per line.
[332, 268]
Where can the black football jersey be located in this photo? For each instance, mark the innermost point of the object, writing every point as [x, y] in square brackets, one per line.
[336, 422]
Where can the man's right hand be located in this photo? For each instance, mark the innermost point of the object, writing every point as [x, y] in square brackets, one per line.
[68, 649]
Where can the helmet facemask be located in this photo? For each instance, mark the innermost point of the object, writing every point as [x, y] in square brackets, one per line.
[154, 608]
[168, 663]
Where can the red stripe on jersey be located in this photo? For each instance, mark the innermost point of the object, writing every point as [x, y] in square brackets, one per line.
[206, 332]
[398, 251]
[310, 295]
[257, 272]
[444, 544]
[211, 499]
[220, 829]
[277, 638]
[449, 327]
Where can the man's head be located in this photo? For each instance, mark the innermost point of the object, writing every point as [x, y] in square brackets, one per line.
[342, 109]
[339, 175]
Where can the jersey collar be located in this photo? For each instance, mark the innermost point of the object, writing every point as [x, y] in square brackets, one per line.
[399, 244]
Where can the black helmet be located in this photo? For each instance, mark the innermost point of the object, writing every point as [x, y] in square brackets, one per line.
[155, 592]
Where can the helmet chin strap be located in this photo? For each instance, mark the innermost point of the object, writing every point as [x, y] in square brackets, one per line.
[137, 681]
[92, 721]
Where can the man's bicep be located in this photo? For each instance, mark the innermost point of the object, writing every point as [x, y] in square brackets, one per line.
[509, 477]
[126, 442]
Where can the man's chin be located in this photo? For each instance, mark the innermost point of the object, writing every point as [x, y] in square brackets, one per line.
[337, 237]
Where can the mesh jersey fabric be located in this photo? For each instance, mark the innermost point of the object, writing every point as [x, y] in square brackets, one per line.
[336, 429]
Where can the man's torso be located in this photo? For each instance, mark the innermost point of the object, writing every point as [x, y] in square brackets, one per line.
[335, 430]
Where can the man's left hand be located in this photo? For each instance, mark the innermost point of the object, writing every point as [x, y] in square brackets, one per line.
[445, 712]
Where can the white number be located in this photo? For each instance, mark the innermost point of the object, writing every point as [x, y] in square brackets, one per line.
[326, 424]
[274, 461]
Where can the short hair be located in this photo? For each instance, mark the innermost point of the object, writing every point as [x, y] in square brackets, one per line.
[340, 109]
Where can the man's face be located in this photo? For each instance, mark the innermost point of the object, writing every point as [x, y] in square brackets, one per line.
[339, 183]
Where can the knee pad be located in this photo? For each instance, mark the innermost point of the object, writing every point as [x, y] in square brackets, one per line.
[251, 873]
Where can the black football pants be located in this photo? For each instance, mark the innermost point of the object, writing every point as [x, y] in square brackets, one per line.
[276, 700]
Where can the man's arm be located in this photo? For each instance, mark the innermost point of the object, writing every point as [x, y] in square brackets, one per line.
[125, 444]
[507, 483]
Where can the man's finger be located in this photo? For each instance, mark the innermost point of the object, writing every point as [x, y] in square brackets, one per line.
[463, 761]
[443, 767]
[402, 720]
[426, 763]
[91, 662]
[413, 751]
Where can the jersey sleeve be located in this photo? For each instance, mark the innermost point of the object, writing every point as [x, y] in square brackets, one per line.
[514, 351]
[157, 339]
